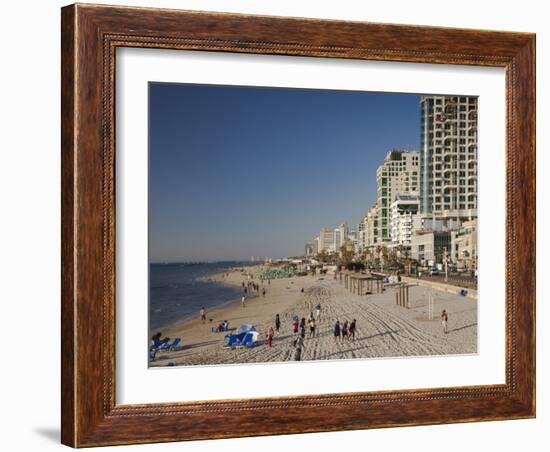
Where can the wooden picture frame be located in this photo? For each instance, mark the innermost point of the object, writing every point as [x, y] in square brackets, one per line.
[90, 36]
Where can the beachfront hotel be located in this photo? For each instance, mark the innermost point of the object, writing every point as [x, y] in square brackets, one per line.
[426, 201]
[448, 153]
[397, 175]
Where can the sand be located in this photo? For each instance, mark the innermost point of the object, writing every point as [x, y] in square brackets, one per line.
[383, 329]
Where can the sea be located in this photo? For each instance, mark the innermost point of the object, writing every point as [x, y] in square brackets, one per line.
[178, 290]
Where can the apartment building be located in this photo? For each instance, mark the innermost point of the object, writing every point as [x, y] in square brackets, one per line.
[448, 153]
[399, 174]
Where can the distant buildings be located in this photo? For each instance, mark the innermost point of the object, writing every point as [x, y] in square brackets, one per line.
[341, 235]
[426, 201]
[397, 175]
[326, 241]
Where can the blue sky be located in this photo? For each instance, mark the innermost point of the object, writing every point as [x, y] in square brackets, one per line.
[236, 172]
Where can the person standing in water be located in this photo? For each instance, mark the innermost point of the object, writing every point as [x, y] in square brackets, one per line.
[444, 320]
[243, 301]
[202, 313]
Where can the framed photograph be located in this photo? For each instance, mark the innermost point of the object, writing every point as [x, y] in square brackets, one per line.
[282, 225]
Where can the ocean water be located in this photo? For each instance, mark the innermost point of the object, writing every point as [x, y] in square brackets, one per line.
[177, 291]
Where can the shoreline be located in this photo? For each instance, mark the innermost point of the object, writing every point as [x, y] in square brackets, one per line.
[213, 278]
[383, 329]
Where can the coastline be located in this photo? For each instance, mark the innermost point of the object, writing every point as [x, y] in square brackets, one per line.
[180, 293]
[383, 329]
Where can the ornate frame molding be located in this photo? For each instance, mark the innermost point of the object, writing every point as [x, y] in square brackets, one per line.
[90, 37]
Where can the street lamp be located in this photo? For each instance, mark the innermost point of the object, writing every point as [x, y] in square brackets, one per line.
[445, 261]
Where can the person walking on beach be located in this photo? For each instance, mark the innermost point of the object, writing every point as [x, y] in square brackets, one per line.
[444, 320]
[277, 323]
[345, 331]
[337, 330]
[318, 311]
[352, 327]
[312, 326]
[303, 326]
[295, 325]
[243, 301]
[202, 313]
[298, 346]
[269, 336]
[263, 292]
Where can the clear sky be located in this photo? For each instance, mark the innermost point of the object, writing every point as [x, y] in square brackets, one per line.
[237, 172]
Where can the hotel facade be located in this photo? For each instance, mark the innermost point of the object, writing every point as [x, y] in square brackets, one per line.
[448, 153]
[398, 174]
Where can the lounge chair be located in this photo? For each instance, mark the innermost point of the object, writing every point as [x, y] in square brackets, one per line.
[245, 336]
[162, 345]
[250, 339]
[174, 344]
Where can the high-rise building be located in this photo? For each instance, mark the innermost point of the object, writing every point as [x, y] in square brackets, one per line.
[340, 236]
[399, 174]
[326, 241]
[361, 246]
[448, 153]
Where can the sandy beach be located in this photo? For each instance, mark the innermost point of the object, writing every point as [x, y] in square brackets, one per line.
[383, 329]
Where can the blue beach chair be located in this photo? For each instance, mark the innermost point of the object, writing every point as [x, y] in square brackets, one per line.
[174, 344]
[250, 339]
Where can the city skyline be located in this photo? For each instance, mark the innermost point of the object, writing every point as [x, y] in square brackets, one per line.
[237, 172]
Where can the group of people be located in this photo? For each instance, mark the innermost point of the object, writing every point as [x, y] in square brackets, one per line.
[345, 331]
[299, 327]
[248, 287]
[299, 330]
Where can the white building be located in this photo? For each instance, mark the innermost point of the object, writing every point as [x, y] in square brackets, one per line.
[464, 246]
[399, 174]
[404, 219]
[430, 248]
[371, 230]
[361, 245]
[448, 153]
[327, 241]
[447, 220]
[340, 235]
